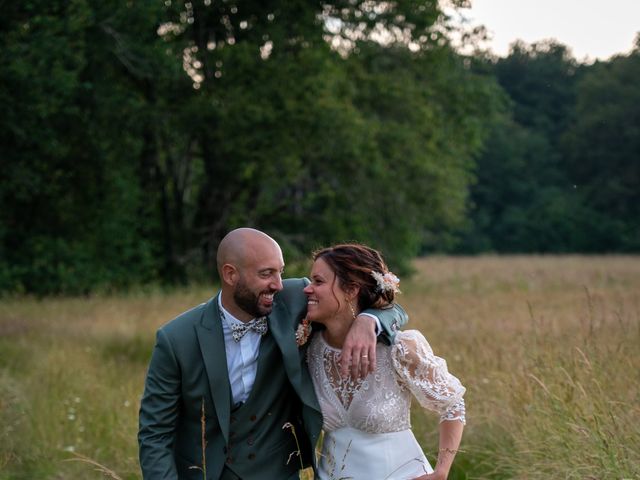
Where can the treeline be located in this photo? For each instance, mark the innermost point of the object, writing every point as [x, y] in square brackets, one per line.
[134, 135]
[560, 170]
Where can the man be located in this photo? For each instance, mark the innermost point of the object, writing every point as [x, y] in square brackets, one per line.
[223, 381]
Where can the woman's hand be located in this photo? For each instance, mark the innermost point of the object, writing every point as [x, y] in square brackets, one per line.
[358, 356]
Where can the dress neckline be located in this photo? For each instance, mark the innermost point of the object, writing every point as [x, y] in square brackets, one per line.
[355, 385]
[327, 346]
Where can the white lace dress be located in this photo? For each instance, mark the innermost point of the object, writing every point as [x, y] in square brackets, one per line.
[366, 421]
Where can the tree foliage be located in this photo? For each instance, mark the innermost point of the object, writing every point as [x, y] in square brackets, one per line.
[67, 168]
[602, 149]
[139, 133]
[136, 134]
[558, 172]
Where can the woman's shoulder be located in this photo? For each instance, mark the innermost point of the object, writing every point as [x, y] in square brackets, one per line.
[413, 336]
[410, 345]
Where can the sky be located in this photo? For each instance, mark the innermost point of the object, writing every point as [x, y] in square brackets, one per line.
[592, 29]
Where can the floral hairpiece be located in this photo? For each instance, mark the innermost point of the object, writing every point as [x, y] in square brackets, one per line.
[387, 282]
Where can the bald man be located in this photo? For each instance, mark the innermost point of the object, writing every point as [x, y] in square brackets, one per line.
[227, 384]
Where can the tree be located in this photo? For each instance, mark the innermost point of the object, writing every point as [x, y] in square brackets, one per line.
[162, 126]
[522, 200]
[73, 206]
[602, 146]
[279, 120]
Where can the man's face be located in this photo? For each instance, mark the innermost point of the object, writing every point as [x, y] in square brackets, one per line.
[259, 279]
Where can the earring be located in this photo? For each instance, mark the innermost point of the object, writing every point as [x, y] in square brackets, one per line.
[353, 312]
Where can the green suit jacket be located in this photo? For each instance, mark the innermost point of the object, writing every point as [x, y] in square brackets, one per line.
[188, 373]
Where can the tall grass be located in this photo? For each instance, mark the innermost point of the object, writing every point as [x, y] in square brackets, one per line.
[71, 375]
[546, 346]
[548, 349]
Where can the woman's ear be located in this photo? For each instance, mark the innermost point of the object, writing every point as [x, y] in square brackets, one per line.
[352, 292]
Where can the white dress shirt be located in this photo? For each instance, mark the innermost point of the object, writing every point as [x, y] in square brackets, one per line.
[242, 357]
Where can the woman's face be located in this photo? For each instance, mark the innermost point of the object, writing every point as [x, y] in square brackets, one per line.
[325, 297]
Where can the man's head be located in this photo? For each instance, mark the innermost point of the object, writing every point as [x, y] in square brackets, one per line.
[250, 266]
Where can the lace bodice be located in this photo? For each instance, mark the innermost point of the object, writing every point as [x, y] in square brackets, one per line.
[380, 402]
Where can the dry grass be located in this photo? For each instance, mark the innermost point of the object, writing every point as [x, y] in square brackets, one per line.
[547, 347]
[548, 350]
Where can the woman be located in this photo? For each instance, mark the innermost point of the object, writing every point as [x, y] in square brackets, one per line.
[366, 420]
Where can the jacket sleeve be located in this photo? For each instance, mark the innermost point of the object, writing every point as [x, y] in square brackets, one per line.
[159, 412]
[391, 320]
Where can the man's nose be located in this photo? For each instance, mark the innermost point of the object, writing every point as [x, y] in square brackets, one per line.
[277, 282]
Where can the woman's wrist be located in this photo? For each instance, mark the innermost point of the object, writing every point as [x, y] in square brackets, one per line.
[449, 451]
[440, 473]
[444, 462]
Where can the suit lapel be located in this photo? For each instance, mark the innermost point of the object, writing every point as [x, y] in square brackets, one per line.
[285, 339]
[211, 340]
[281, 328]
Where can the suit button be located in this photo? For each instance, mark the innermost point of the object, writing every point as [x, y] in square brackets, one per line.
[253, 418]
[250, 441]
[229, 459]
[251, 456]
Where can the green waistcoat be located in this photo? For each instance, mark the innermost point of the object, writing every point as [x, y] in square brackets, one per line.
[257, 440]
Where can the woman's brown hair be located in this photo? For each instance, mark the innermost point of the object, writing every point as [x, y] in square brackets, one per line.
[353, 263]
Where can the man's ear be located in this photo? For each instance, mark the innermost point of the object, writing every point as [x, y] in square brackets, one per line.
[230, 274]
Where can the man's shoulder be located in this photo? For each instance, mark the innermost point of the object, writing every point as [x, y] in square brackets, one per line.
[292, 288]
[186, 319]
[294, 283]
[292, 295]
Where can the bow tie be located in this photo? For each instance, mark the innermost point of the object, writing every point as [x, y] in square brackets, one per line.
[258, 325]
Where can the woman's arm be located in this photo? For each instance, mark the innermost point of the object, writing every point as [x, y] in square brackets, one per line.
[450, 436]
[428, 378]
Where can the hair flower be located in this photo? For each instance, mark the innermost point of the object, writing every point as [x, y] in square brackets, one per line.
[303, 332]
[387, 282]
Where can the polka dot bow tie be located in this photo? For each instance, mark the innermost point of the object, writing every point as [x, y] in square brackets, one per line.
[258, 325]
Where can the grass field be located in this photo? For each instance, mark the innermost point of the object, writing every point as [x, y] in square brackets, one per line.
[548, 348]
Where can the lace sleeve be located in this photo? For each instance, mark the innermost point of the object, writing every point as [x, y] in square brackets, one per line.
[427, 376]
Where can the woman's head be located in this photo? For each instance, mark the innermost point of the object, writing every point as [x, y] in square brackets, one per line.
[355, 268]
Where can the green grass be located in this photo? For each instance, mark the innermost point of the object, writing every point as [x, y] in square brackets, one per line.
[546, 346]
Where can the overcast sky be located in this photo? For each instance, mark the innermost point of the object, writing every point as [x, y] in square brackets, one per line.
[590, 28]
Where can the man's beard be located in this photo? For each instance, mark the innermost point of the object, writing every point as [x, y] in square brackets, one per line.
[249, 301]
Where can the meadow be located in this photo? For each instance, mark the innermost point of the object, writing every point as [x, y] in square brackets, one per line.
[547, 346]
